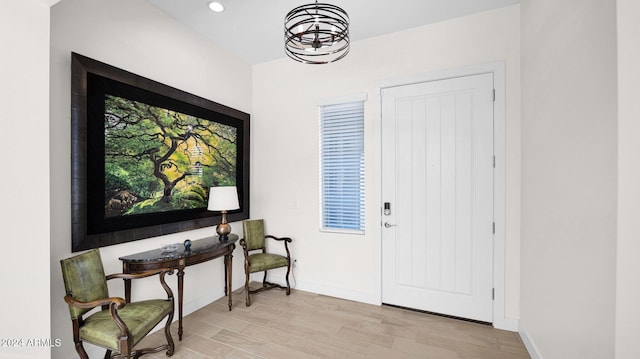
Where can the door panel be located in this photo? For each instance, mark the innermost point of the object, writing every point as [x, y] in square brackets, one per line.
[438, 177]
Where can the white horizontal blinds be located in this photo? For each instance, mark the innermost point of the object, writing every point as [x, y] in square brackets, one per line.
[342, 166]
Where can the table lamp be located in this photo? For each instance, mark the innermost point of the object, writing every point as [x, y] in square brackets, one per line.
[223, 199]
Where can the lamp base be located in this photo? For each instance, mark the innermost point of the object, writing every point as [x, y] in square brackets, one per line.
[223, 230]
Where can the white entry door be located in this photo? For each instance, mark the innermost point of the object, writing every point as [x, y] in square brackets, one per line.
[437, 174]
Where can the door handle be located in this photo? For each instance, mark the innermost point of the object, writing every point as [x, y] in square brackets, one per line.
[388, 225]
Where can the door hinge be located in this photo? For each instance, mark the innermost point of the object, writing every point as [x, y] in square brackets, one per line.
[493, 294]
[494, 95]
[494, 227]
[494, 161]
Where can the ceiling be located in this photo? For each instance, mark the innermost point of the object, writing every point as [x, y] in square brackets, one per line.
[253, 29]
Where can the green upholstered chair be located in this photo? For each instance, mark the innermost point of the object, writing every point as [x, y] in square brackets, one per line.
[260, 261]
[118, 326]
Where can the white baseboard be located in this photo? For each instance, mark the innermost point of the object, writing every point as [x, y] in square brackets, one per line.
[192, 306]
[534, 353]
[343, 293]
[505, 323]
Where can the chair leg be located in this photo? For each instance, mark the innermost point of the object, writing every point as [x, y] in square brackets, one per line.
[246, 288]
[81, 352]
[287, 277]
[167, 334]
[107, 354]
[77, 341]
[264, 279]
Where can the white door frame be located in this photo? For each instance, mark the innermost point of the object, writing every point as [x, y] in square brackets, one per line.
[500, 320]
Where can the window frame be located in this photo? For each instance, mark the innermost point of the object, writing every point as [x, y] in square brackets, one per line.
[344, 100]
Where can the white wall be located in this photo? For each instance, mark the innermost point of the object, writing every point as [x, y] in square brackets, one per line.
[24, 99]
[135, 36]
[628, 269]
[285, 178]
[569, 177]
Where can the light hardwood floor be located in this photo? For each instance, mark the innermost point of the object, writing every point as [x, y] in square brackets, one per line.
[306, 325]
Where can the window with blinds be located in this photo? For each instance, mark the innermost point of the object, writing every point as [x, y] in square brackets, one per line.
[342, 166]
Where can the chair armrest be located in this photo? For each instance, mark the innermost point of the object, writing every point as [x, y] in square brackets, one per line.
[138, 275]
[117, 301]
[243, 243]
[285, 240]
[113, 304]
[162, 273]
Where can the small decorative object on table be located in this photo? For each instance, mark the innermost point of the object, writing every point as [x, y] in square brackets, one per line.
[222, 199]
[171, 247]
[187, 245]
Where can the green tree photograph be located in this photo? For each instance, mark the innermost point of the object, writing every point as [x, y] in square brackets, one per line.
[158, 160]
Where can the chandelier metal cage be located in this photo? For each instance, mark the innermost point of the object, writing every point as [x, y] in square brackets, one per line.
[316, 33]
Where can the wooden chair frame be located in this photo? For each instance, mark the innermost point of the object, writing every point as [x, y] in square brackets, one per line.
[125, 341]
[265, 284]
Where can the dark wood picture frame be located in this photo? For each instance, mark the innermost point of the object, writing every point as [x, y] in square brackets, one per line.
[90, 81]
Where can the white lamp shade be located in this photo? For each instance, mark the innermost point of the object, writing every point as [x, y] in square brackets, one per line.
[223, 198]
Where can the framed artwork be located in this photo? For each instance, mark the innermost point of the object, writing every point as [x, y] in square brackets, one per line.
[144, 155]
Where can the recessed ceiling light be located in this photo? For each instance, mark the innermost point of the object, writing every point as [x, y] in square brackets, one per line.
[216, 6]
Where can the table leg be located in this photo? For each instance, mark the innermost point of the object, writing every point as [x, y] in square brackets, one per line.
[127, 290]
[226, 275]
[180, 286]
[127, 284]
[228, 269]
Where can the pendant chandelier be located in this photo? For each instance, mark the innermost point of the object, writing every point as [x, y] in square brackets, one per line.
[316, 33]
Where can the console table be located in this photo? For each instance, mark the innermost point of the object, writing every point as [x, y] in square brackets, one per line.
[201, 250]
